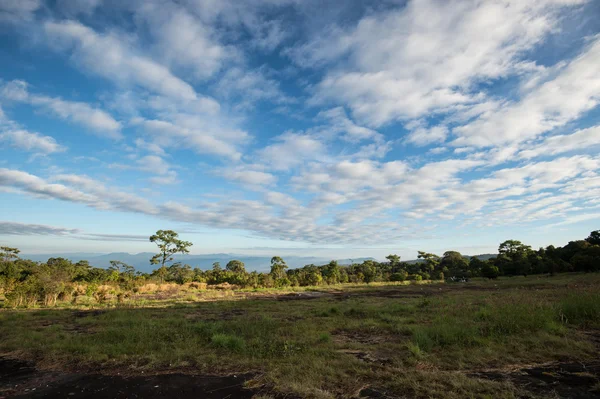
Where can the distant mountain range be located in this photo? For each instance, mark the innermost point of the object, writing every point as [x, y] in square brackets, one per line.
[141, 261]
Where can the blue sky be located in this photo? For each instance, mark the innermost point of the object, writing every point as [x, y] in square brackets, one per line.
[279, 127]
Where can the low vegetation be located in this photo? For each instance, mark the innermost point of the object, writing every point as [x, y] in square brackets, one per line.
[24, 283]
[398, 340]
[448, 327]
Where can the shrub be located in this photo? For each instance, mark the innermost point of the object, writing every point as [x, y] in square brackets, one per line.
[399, 276]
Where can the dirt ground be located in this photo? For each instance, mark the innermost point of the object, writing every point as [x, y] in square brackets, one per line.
[22, 380]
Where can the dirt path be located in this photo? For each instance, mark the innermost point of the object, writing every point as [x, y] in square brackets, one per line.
[575, 380]
[22, 380]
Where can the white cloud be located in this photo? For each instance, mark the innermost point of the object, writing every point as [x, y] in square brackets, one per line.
[583, 139]
[249, 177]
[290, 150]
[78, 112]
[249, 87]
[13, 228]
[151, 147]
[185, 134]
[427, 56]
[421, 135]
[110, 56]
[85, 7]
[543, 108]
[33, 142]
[13, 11]
[340, 123]
[184, 40]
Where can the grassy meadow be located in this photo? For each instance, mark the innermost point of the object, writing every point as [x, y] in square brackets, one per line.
[450, 340]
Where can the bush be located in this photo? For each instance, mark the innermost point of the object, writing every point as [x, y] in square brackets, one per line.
[399, 276]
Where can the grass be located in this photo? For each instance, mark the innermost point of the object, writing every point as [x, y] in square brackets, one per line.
[409, 340]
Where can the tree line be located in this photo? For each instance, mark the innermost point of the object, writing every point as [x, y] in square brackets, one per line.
[24, 282]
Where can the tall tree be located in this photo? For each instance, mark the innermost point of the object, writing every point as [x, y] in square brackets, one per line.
[236, 266]
[514, 257]
[169, 244]
[278, 267]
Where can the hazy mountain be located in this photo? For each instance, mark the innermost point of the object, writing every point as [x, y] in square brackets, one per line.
[141, 261]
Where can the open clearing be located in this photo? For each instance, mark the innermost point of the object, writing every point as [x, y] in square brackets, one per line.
[514, 337]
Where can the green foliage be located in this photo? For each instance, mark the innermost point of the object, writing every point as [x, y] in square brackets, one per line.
[236, 266]
[582, 309]
[594, 237]
[169, 244]
[229, 342]
[401, 275]
[27, 283]
[278, 268]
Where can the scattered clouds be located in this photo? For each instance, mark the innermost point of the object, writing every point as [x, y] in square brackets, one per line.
[186, 133]
[380, 125]
[77, 112]
[13, 228]
[25, 229]
[33, 142]
[426, 57]
[290, 150]
[249, 177]
[250, 87]
[110, 56]
[585, 139]
[12, 11]
[543, 108]
[421, 135]
[183, 40]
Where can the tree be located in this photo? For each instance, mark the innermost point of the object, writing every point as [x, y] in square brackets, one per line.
[431, 262]
[180, 274]
[455, 264]
[236, 266]
[169, 244]
[394, 259]
[278, 268]
[9, 254]
[476, 266]
[514, 257]
[331, 272]
[369, 271]
[121, 271]
[490, 271]
[594, 237]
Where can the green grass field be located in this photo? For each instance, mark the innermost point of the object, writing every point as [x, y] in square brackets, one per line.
[418, 340]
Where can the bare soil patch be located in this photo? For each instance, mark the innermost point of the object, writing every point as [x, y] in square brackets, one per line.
[576, 380]
[22, 380]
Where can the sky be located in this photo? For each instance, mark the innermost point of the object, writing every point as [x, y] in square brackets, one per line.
[299, 127]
